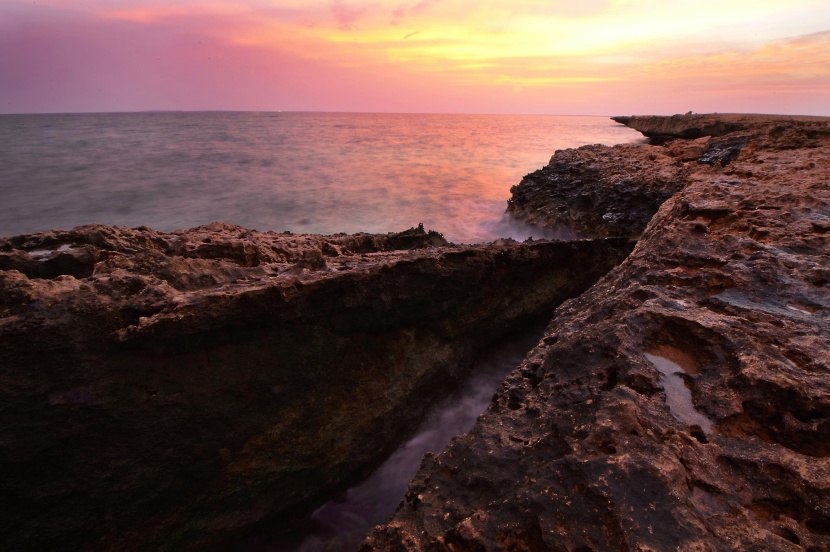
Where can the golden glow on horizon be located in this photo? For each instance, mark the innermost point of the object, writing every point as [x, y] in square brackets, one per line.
[470, 43]
[562, 47]
[805, 57]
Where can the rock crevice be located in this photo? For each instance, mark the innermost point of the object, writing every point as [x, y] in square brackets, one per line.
[170, 391]
[586, 446]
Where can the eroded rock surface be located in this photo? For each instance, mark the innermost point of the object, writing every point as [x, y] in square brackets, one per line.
[683, 403]
[700, 125]
[167, 391]
[614, 191]
[599, 190]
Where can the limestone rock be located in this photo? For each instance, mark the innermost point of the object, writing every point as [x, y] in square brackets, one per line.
[168, 391]
[599, 190]
[690, 126]
[683, 402]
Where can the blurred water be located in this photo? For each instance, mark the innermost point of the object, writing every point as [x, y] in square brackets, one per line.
[304, 172]
[341, 524]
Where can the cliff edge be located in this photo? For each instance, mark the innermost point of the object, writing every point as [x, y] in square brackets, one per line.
[683, 402]
[172, 390]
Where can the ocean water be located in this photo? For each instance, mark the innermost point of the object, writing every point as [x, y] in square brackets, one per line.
[303, 172]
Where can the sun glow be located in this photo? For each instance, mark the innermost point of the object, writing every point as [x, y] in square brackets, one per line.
[449, 53]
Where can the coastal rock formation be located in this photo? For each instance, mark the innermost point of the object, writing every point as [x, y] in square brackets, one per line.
[661, 128]
[683, 402]
[167, 391]
[602, 191]
[599, 190]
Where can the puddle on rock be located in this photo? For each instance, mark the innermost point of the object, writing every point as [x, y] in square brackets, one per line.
[43, 254]
[671, 362]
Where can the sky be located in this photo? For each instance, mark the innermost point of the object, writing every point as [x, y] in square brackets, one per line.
[600, 57]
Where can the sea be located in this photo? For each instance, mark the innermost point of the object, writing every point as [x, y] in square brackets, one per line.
[305, 173]
[280, 171]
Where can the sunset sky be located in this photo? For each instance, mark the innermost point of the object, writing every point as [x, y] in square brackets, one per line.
[599, 57]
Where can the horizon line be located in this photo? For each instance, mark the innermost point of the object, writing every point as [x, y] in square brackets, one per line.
[336, 112]
[114, 112]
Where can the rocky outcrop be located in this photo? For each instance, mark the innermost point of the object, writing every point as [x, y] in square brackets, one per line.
[691, 126]
[168, 391]
[683, 403]
[600, 190]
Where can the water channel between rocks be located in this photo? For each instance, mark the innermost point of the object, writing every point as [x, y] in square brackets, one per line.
[342, 523]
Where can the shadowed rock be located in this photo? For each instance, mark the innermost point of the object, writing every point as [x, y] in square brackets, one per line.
[168, 391]
[600, 190]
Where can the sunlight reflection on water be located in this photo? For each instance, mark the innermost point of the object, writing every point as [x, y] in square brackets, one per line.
[304, 172]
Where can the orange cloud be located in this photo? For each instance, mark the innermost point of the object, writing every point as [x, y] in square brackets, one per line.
[801, 63]
[432, 55]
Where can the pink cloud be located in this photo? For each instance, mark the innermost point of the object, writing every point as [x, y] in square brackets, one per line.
[116, 65]
[347, 15]
[404, 11]
[63, 60]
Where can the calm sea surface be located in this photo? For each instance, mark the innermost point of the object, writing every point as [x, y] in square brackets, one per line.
[303, 172]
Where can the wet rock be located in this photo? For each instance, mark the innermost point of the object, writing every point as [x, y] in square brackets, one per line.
[723, 150]
[599, 190]
[592, 443]
[168, 391]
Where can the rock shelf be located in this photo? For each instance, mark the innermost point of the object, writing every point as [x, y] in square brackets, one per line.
[580, 449]
[170, 391]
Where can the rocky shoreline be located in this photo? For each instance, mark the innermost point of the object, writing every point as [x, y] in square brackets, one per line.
[683, 402]
[169, 391]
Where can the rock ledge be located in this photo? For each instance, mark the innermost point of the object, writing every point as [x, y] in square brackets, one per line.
[683, 402]
[169, 391]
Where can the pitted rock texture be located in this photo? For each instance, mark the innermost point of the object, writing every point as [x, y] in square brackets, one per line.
[614, 191]
[683, 403]
[699, 125]
[168, 391]
[599, 190]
